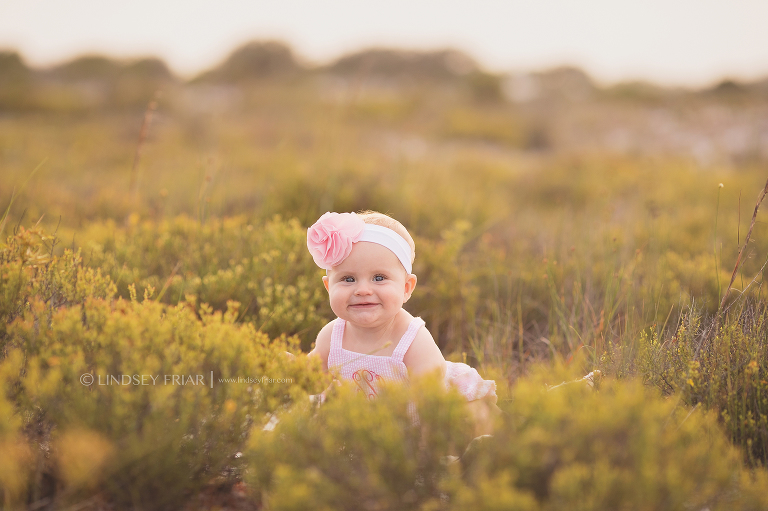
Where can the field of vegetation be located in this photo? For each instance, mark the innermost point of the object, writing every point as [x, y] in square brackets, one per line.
[157, 227]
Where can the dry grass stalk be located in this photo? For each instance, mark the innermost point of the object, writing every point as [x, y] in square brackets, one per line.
[741, 251]
[151, 107]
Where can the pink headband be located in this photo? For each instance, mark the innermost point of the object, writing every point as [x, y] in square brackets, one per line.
[330, 239]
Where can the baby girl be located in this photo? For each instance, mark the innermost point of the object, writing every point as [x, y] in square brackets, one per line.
[368, 260]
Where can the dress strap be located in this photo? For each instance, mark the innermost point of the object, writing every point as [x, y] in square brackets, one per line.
[337, 334]
[407, 339]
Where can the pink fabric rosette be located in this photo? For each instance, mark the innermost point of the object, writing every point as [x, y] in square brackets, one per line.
[330, 239]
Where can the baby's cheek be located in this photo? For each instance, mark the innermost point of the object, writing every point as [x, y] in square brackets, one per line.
[337, 303]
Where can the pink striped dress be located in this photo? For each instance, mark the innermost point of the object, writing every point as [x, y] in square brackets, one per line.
[368, 371]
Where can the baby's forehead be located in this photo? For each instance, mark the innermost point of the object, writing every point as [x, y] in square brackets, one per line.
[371, 254]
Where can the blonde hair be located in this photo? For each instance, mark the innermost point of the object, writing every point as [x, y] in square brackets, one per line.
[376, 218]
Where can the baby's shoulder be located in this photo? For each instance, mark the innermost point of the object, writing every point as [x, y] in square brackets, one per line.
[323, 343]
[324, 335]
[423, 355]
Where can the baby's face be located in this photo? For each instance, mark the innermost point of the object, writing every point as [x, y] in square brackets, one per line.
[370, 286]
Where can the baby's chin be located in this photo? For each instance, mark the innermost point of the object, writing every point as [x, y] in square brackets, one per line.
[366, 315]
[365, 312]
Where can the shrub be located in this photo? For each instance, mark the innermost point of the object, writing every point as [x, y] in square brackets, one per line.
[267, 268]
[15, 463]
[154, 439]
[153, 420]
[720, 367]
[357, 454]
[622, 447]
[29, 271]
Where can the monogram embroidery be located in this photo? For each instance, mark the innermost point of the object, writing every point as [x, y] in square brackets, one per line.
[364, 380]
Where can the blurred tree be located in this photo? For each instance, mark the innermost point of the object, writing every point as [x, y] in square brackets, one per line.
[399, 64]
[15, 78]
[254, 61]
[89, 67]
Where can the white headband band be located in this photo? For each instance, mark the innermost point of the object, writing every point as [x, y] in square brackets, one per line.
[330, 239]
[390, 239]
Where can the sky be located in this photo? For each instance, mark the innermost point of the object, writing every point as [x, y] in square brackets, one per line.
[671, 42]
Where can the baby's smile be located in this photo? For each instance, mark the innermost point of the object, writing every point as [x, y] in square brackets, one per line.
[363, 305]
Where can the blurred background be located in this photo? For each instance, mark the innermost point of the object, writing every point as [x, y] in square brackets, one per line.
[686, 80]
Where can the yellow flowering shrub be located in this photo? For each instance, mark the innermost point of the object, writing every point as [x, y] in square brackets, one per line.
[621, 447]
[15, 463]
[149, 382]
[351, 453]
[722, 368]
[142, 400]
[28, 271]
[266, 267]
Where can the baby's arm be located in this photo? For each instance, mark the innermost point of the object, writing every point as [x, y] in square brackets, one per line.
[322, 349]
[483, 412]
[323, 345]
[423, 356]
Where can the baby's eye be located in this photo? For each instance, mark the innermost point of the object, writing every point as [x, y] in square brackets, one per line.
[379, 278]
[348, 279]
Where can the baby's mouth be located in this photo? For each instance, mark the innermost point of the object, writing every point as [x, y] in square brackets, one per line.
[363, 305]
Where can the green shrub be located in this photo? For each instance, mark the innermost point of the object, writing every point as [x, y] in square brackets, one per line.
[622, 447]
[351, 453]
[28, 271]
[15, 463]
[267, 268]
[155, 421]
[720, 367]
[163, 438]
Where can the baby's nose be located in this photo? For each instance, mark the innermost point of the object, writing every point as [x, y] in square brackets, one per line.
[363, 288]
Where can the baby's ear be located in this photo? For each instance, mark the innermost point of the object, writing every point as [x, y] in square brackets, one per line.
[325, 282]
[410, 285]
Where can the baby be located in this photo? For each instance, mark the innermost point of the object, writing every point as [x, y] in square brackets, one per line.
[368, 261]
